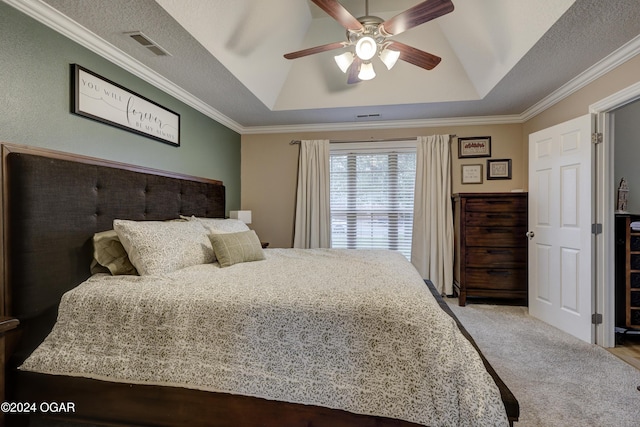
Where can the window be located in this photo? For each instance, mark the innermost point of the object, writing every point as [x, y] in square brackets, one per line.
[372, 196]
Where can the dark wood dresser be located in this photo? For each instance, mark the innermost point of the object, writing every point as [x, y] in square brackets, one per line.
[490, 245]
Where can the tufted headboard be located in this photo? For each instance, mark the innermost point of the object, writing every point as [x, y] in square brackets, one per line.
[53, 203]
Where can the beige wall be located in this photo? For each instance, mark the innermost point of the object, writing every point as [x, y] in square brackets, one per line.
[270, 166]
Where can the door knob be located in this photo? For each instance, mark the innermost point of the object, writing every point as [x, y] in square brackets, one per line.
[530, 234]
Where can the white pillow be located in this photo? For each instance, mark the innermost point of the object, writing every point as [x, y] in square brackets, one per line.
[221, 226]
[156, 247]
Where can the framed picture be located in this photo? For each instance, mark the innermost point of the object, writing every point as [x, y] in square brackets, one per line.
[99, 99]
[477, 146]
[499, 169]
[472, 174]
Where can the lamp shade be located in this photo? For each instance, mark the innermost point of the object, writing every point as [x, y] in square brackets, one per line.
[366, 71]
[389, 57]
[244, 216]
[344, 61]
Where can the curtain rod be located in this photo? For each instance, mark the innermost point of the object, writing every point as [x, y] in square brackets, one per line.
[342, 141]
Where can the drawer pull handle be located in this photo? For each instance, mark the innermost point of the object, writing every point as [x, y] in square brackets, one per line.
[498, 273]
[502, 216]
[499, 251]
[498, 202]
[499, 230]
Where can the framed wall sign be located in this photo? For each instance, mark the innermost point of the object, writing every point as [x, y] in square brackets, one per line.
[477, 146]
[499, 169]
[472, 174]
[102, 100]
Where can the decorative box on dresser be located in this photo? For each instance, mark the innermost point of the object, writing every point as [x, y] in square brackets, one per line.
[627, 256]
[490, 245]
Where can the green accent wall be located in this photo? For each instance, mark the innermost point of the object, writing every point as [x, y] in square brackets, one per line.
[35, 109]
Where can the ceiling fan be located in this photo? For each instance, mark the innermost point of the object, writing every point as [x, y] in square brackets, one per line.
[370, 36]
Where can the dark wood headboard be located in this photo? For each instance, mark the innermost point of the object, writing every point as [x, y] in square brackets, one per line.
[52, 205]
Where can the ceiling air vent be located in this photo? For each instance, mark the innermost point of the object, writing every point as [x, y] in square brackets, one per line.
[148, 43]
[368, 116]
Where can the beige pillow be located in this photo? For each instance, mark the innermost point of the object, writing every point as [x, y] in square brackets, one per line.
[156, 247]
[233, 248]
[220, 225]
[109, 253]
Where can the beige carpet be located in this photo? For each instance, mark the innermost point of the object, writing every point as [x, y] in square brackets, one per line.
[558, 380]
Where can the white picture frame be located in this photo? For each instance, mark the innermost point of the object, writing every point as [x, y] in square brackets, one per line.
[472, 174]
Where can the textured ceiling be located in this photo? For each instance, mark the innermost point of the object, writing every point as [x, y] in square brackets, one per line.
[479, 42]
[500, 57]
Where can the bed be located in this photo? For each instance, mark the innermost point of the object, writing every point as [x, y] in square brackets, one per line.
[284, 366]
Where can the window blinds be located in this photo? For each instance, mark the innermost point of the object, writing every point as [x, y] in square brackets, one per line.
[372, 199]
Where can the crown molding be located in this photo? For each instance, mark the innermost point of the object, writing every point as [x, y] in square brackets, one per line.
[50, 17]
[69, 28]
[389, 124]
[608, 63]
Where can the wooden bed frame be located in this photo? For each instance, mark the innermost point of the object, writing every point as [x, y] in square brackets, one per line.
[52, 204]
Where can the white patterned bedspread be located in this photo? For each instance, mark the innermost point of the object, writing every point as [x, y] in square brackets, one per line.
[354, 330]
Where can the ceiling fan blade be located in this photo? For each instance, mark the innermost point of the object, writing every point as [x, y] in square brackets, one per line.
[416, 15]
[354, 70]
[340, 14]
[415, 56]
[314, 50]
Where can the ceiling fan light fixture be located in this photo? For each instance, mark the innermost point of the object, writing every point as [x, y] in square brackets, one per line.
[389, 57]
[366, 71]
[366, 48]
[367, 37]
[344, 61]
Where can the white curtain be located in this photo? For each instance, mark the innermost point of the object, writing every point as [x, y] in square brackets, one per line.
[313, 214]
[432, 241]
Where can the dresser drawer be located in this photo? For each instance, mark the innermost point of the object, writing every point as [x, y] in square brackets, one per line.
[496, 236]
[497, 204]
[496, 278]
[508, 219]
[496, 257]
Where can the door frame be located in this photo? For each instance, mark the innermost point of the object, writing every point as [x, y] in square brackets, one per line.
[605, 200]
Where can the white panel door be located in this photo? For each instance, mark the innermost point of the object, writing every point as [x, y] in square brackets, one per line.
[560, 258]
